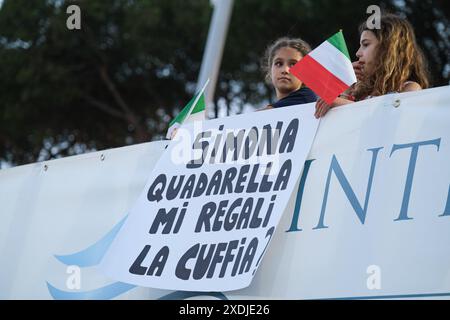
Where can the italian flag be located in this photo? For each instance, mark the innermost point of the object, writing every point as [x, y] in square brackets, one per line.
[193, 111]
[327, 70]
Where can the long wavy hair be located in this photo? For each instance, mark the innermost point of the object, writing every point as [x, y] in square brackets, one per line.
[398, 59]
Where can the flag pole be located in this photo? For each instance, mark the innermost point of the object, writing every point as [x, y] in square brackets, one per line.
[197, 98]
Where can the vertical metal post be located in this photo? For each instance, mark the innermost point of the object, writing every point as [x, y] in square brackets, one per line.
[215, 43]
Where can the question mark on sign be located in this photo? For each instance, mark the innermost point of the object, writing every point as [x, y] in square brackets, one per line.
[268, 234]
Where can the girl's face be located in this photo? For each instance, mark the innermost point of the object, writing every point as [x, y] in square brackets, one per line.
[367, 51]
[283, 81]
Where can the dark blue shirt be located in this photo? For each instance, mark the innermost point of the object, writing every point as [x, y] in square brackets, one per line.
[301, 96]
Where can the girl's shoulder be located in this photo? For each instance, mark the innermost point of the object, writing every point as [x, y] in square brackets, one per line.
[406, 87]
[410, 86]
[300, 96]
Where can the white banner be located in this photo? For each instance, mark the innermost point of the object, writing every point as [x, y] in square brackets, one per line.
[211, 204]
[370, 218]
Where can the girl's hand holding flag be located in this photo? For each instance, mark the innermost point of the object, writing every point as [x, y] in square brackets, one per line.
[328, 71]
[358, 67]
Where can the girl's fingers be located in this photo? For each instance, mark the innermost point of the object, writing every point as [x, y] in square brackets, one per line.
[317, 108]
[320, 111]
[321, 108]
[324, 109]
[319, 105]
[358, 67]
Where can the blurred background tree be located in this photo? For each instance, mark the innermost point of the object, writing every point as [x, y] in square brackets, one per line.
[134, 64]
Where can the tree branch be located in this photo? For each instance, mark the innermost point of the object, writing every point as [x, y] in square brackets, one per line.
[115, 93]
[141, 133]
[104, 107]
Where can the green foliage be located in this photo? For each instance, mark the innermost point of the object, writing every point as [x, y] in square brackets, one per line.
[134, 63]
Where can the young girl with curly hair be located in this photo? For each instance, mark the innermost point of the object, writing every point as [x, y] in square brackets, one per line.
[389, 60]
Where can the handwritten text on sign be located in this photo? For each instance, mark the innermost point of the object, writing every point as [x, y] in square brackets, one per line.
[211, 205]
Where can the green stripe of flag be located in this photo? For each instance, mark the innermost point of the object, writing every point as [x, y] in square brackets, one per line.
[338, 41]
[199, 106]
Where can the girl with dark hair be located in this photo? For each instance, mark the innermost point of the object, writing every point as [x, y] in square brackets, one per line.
[279, 57]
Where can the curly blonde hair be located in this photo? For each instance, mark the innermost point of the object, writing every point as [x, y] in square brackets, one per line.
[398, 59]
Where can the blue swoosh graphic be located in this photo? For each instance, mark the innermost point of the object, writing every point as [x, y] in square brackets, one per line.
[104, 293]
[117, 288]
[182, 295]
[93, 254]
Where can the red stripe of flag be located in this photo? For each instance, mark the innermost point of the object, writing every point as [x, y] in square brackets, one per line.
[325, 84]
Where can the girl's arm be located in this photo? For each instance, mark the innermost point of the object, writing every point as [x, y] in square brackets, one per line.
[269, 106]
[411, 86]
[322, 107]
